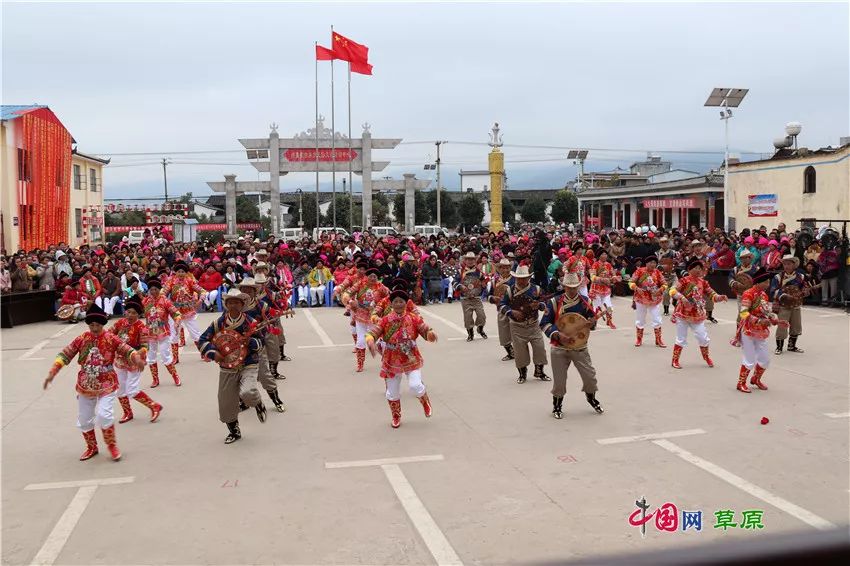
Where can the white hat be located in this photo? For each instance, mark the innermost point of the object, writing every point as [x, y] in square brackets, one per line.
[505, 261]
[521, 272]
[790, 257]
[746, 253]
[235, 294]
[260, 279]
[571, 280]
[470, 255]
[247, 282]
[261, 265]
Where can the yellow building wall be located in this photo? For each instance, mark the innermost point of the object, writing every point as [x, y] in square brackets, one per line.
[784, 178]
[82, 198]
[8, 187]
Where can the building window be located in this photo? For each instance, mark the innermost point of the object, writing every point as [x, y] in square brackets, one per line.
[93, 179]
[78, 220]
[23, 165]
[78, 178]
[809, 181]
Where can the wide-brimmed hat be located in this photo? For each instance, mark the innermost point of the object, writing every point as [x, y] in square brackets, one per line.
[261, 265]
[505, 262]
[793, 258]
[235, 294]
[521, 272]
[247, 282]
[746, 253]
[260, 280]
[470, 255]
[571, 280]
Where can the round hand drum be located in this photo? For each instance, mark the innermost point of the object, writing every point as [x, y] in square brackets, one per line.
[574, 327]
[65, 312]
[232, 346]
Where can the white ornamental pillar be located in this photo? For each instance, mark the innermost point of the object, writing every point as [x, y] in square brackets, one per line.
[230, 205]
[274, 180]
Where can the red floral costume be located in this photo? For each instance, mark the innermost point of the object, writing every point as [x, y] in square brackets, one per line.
[157, 313]
[602, 270]
[399, 334]
[757, 321]
[648, 286]
[697, 290]
[364, 299]
[134, 334]
[96, 355]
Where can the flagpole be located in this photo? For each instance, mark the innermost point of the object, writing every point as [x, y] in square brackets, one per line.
[350, 184]
[333, 141]
[315, 44]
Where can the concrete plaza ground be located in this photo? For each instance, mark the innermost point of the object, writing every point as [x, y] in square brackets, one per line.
[491, 478]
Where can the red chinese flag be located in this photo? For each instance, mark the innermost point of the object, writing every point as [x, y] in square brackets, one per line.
[325, 54]
[362, 68]
[349, 50]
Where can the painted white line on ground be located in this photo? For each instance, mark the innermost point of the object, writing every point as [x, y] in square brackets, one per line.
[437, 543]
[55, 542]
[383, 461]
[60, 534]
[29, 353]
[782, 504]
[640, 437]
[79, 483]
[62, 332]
[832, 315]
[445, 321]
[326, 346]
[326, 340]
[838, 415]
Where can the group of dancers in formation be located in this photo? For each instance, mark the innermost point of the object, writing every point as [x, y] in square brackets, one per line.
[247, 341]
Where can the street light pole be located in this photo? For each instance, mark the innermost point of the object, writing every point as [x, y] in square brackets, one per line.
[439, 218]
[726, 98]
[300, 208]
[165, 176]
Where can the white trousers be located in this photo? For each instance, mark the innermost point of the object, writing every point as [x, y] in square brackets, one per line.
[755, 352]
[318, 294]
[107, 304]
[128, 382]
[93, 411]
[174, 332]
[190, 323]
[697, 328]
[604, 301]
[303, 292]
[583, 292]
[641, 311]
[210, 297]
[159, 350]
[414, 380]
[451, 286]
[361, 329]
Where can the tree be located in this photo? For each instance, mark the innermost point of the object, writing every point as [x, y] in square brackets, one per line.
[247, 209]
[128, 218]
[342, 218]
[308, 200]
[380, 210]
[534, 210]
[508, 210]
[565, 207]
[471, 210]
[448, 208]
[420, 216]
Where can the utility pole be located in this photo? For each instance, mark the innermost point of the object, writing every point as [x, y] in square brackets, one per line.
[439, 218]
[165, 176]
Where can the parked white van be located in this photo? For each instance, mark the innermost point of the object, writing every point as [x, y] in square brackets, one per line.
[292, 233]
[136, 237]
[428, 230]
[383, 231]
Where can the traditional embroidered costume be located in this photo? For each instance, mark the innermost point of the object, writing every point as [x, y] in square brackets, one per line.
[691, 292]
[134, 334]
[158, 312]
[648, 284]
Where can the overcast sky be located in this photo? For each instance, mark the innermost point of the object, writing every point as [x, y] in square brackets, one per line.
[161, 78]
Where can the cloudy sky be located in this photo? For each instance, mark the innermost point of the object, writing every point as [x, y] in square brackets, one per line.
[618, 78]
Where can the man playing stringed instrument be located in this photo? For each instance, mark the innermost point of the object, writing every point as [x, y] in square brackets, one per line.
[472, 281]
[501, 280]
[261, 312]
[648, 285]
[520, 305]
[237, 378]
[569, 349]
[790, 281]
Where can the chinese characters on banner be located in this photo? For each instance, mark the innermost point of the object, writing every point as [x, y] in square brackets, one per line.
[670, 203]
[763, 205]
[309, 154]
[666, 518]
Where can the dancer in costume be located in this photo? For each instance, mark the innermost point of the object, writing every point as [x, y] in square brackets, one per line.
[754, 330]
[186, 293]
[237, 378]
[365, 295]
[158, 311]
[648, 285]
[132, 330]
[520, 305]
[787, 289]
[472, 282]
[602, 277]
[97, 383]
[691, 292]
[501, 280]
[261, 312]
[400, 355]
